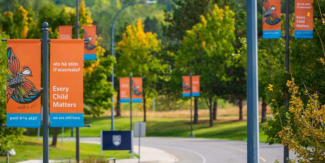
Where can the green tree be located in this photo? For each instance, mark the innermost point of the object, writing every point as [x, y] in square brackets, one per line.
[307, 69]
[183, 17]
[16, 24]
[186, 14]
[206, 50]
[139, 55]
[9, 137]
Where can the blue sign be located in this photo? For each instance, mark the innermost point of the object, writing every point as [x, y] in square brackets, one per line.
[24, 120]
[134, 100]
[116, 140]
[90, 57]
[272, 34]
[189, 94]
[67, 120]
[304, 34]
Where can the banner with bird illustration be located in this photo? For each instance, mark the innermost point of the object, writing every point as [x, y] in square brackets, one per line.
[23, 88]
[89, 33]
[304, 19]
[65, 32]
[136, 90]
[187, 86]
[66, 83]
[271, 19]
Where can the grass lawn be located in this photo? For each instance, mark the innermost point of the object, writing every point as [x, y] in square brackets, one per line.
[32, 148]
[169, 127]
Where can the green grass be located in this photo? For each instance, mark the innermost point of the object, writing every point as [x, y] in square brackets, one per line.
[31, 149]
[169, 127]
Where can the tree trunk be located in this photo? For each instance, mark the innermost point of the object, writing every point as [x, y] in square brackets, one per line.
[144, 109]
[118, 104]
[240, 109]
[264, 105]
[210, 111]
[215, 107]
[55, 136]
[196, 110]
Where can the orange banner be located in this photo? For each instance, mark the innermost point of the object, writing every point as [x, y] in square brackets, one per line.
[124, 88]
[136, 90]
[23, 88]
[271, 19]
[23, 76]
[89, 33]
[65, 32]
[66, 77]
[304, 18]
[66, 83]
[187, 86]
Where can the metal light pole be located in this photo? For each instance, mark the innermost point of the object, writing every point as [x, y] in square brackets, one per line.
[287, 39]
[77, 128]
[112, 50]
[191, 93]
[45, 48]
[252, 84]
[131, 94]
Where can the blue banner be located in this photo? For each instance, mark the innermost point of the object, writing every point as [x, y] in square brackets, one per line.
[116, 140]
[90, 57]
[304, 34]
[134, 100]
[189, 94]
[24, 120]
[276, 34]
[66, 120]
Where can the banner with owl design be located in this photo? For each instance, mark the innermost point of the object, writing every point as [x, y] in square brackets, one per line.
[187, 86]
[304, 19]
[66, 83]
[271, 19]
[89, 33]
[23, 88]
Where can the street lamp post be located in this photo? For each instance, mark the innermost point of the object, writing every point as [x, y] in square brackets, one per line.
[112, 50]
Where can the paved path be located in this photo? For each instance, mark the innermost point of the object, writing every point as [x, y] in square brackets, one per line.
[194, 150]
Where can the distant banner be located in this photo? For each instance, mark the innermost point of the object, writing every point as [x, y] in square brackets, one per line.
[271, 19]
[65, 32]
[23, 88]
[136, 90]
[66, 83]
[187, 86]
[89, 33]
[304, 19]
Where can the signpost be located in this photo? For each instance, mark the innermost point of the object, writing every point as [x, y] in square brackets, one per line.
[45, 52]
[304, 19]
[271, 19]
[116, 140]
[191, 88]
[131, 91]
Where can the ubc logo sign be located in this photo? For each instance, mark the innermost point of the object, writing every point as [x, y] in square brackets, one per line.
[117, 139]
[112, 140]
